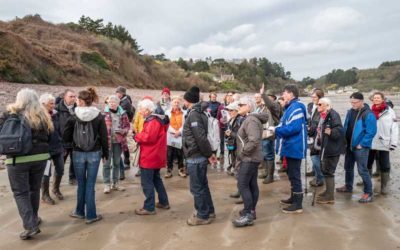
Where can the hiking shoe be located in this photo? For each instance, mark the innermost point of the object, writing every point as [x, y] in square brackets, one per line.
[168, 174]
[196, 221]
[243, 221]
[365, 198]
[76, 216]
[39, 221]
[72, 181]
[212, 216]
[310, 174]
[182, 173]
[159, 205]
[253, 213]
[142, 211]
[48, 200]
[376, 174]
[137, 173]
[360, 183]
[121, 178]
[107, 189]
[239, 201]
[116, 187]
[316, 183]
[27, 234]
[98, 218]
[282, 170]
[235, 195]
[343, 189]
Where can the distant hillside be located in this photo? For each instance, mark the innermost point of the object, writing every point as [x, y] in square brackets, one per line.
[36, 51]
[386, 77]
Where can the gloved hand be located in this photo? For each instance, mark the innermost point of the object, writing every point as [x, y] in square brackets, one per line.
[392, 147]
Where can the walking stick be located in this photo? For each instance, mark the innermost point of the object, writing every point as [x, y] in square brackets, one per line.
[305, 176]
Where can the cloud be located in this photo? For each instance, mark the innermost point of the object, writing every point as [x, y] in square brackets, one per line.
[336, 18]
[290, 48]
[237, 42]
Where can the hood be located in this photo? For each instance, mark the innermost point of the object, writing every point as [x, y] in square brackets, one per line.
[263, 117]
[87, 114]
[120, 110]
[200, 106]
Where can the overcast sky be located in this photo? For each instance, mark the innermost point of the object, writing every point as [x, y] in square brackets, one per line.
[308, 37]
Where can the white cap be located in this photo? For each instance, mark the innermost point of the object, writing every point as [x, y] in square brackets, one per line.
[233, 106]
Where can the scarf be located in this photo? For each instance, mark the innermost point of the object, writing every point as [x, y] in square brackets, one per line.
[378, 109]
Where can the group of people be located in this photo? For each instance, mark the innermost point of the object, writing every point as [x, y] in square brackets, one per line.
[195, 134]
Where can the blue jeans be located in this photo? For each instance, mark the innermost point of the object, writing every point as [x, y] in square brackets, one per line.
[294, 174]
[150, 179]
[268, 150]
[316, 165]
[248, 187]
[115, 158]
[86, 165]
[197, 168]
[361, 157]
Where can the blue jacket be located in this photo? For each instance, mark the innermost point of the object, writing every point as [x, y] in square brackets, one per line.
[364, 129]
[291, 133]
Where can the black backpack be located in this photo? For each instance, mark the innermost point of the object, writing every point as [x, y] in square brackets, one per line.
[15, 136]
[84, 136]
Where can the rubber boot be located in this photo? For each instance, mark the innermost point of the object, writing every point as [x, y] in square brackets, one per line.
[297, 205]
[263, 170]
[56, 187]
[288, 201]
[385, 176]
[270, 171]
[45, 192]
[378, 169]
[329, 197]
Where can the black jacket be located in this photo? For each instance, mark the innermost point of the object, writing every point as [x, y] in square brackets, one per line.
[126, 104]
[333, 144]
[312, 123]
[40, 138]
[63, 116]
[99, 129]
[234, 126]
[274, 108]
[195, 142]
[55, 142]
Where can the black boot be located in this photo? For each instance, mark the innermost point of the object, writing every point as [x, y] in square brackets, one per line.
[329, 197]
[56, 187]
[297, 205]
[288, 201]
[270, 172]
[385, 176]
[263, 170]
[45, 192]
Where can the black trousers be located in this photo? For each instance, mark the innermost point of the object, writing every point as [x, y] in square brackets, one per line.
[173, 153]
[328, 165]
[382, 158]
[248, 186]
[68, 152]
[25, 181]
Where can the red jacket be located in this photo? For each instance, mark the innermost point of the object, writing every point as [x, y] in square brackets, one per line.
[153, 143]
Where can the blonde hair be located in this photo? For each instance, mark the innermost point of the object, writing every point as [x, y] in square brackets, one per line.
[27, 104]
[176, 97]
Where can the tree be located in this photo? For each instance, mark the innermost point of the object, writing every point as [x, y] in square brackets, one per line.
[183, 64]
[201, 66]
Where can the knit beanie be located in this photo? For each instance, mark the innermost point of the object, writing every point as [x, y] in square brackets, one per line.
[192, 95]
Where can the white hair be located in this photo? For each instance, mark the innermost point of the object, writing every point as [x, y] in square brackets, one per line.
[46, 98]
[147, 104]
[246, 100]
[114, 98]
[236, 97]
[326, 101]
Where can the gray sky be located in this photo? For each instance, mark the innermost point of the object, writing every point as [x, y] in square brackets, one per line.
[308, 37]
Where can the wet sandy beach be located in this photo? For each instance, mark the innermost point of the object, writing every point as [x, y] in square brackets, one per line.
[344, 225]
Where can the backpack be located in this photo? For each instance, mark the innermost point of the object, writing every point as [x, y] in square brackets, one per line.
[213, 132]
[84, 136]
[15, 136]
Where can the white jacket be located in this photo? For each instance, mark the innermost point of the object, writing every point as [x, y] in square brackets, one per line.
[171, 140]
[387, 134]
